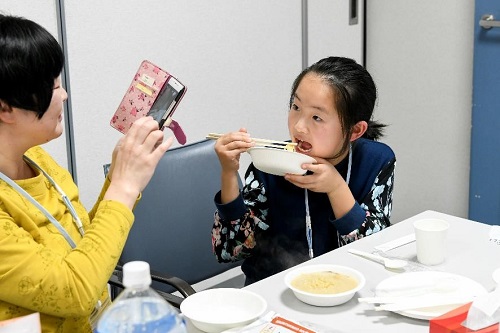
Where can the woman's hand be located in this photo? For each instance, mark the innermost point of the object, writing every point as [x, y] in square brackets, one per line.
[134, 160]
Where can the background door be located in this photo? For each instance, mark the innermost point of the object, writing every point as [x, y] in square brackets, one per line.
[484, 194]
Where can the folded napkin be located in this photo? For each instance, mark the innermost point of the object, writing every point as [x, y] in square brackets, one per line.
[451, 322]
[411, 287]
[395, 243]
[484, 311]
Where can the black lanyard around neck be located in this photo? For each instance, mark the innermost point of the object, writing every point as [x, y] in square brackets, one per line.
[64, 198]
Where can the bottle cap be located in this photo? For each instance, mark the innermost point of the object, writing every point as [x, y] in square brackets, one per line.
[136, 273]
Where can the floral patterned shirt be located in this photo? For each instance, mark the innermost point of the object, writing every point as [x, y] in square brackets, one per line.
[265, 225]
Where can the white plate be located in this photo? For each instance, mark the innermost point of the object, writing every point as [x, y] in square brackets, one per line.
[418, 283]
[279, 161]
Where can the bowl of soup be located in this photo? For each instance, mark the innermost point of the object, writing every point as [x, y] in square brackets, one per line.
[324, 285]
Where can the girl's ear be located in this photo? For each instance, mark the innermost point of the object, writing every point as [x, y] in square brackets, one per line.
[358, 130]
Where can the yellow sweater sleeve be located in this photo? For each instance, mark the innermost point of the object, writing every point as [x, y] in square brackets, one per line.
[39, 271]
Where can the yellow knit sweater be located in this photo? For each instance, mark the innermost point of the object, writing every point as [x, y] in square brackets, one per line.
[39, 272]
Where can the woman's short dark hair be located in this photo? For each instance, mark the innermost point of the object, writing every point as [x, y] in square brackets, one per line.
[30, 60]
[354, 90]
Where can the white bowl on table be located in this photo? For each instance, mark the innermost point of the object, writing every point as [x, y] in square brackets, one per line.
[325, 299]
[219, 309]
[277, 161]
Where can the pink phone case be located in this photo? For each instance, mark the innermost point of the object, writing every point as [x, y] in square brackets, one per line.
[140, 96]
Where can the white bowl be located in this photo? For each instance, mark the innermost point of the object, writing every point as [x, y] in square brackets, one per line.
[325, 299]
[279, 161]
[219, 309]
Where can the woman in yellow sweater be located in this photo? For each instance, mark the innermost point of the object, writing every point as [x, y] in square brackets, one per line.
[55, 257]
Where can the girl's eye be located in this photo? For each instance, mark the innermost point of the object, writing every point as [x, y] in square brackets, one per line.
[317, 118]
[295, 107]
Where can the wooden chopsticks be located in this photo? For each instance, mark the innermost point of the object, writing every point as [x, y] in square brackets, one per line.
[262, 142]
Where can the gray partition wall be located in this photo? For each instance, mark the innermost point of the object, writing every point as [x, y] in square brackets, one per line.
[237, 58]
[422, 64]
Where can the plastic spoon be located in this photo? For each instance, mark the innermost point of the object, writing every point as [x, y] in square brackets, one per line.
[388, 263]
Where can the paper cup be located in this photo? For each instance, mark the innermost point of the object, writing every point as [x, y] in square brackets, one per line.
[430, 235]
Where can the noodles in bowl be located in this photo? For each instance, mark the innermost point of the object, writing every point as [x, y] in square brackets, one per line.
[324, 282]
[324, 285]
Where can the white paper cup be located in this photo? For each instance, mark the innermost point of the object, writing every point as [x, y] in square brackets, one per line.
[430, 235]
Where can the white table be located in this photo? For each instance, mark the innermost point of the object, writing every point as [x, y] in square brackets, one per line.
[470, 253]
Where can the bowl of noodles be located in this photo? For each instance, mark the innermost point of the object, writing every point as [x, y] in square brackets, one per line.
[324, 285]
[278, 161]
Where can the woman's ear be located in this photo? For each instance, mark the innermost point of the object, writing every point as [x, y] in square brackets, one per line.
[3, 105]
[358, 130]
[6, 113]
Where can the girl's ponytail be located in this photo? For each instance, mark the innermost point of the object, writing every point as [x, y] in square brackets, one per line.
[374, 131]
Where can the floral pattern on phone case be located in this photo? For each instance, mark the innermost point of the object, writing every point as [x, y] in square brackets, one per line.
[140, 96]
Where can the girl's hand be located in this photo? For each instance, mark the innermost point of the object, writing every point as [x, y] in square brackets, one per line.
[324, 178]
[134, 160]
[229, 148]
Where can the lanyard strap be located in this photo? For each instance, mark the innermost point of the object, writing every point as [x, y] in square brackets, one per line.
[308, 215]
[40, 207]
[49, 216]
[64, 197]
[309, 227]
[349, 165]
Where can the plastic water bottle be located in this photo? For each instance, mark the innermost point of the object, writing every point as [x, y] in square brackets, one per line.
[139, 308]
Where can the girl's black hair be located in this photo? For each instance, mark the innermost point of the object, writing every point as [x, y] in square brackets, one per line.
[30, 61]
[355, 94]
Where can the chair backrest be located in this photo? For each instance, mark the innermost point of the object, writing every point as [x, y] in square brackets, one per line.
[173, 219]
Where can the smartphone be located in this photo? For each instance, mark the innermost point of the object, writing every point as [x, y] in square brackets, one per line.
[169, 97]
[152, 92]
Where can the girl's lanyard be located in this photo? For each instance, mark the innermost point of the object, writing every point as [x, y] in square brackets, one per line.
[308, 216]
[51, 218]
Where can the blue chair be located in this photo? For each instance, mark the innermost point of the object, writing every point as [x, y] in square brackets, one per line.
[173, 219]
